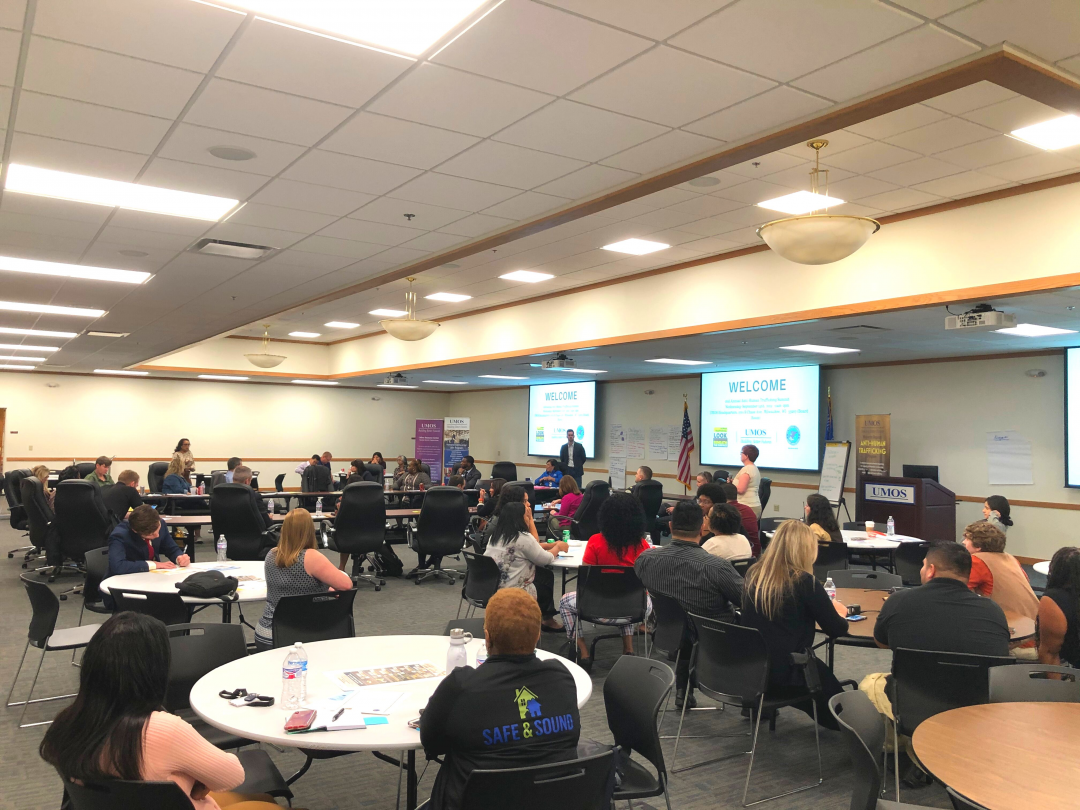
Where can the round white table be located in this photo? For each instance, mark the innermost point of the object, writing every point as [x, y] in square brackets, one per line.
[1042, 567]
[861, 540]
[164, 581]
[262, 673]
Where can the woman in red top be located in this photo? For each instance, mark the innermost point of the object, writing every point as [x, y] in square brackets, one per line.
[569, 500]
[620, 541]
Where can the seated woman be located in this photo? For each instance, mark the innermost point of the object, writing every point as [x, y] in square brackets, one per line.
[413, 478]
[783, 600]
[620, 542]
[725, 537]
[551, 475]
[820, 519]
[290, 570]
[175, 481]
[490, 500]
[567, 505]
[117, 729]
[997, 574]
[1058, 626]
[41, 473]
[996, 512]
[516, 549]
[377, 458]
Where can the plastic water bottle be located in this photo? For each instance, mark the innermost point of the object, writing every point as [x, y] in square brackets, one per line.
[221, 546]
[302, 653]
[270, 506]
[890, 527]
[830, 588]
[456, 656]
[318, 506]
[292, 671]
[481, 654]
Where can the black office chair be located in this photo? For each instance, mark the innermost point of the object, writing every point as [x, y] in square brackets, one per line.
[16, 512]
[481, 582]
[155, 475]
[44, 636]
[857, 578]
[1023, 682]
[771, 524]
[908, 559]
[720, 476]
[359, 528]
[651, 495]
[314, 617]
[668, 632]
[84, 468]
[634, 692]
[115, 794]
[830, 557]
[474, 626]
[863, 728]
[82, 522]
[579, 784]
[216, 477]
[39, 517]
[529, 487]
[316, 478]
[732, 668]
[612, 593]
[97, 569]
[764, 490]
[169, 608]
[960, 802]
[586, 520]
[235, 514]
[279, 486]
[506, 470]
[926, 683]
[742, 566]
[440, 530]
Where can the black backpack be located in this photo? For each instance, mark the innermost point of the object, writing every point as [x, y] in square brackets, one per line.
[207, 585]
[387, 562]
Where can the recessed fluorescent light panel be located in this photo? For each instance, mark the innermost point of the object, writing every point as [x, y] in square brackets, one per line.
[341, 325]
[636, 247]
[225, 377]
[501, 377]
[576, 370]
[314, 382]
[1057, 133]
[17, 368]
[673, 362]
[1033, 330]
[116, 194]
[815, 349]
[305, 334]
[526, 275]
[11, 330]
[121, 372]
[445, 382]
[395, 385]
[453, 298]
[389, 313]
[17, 347]
[801, 202]
[13, 265]
[108, 334]
[31, 359]
[48, 309]
[405, 26]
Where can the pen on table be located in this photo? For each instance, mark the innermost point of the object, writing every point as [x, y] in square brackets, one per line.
[340, 712]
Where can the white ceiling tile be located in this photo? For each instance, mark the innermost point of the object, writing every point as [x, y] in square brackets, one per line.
[579, 131]
[453, 192]
[672, 147]
[526, 205]
[893, 61]
[1033, 167]
[338, 247]
[32, 205]
[710, 244]
[915, 171]
[174, 174]
[857, 210]
[495, 162]
[704, 205]
[477, 225]
[798, 178]
[87, 123]
[961, 185]
[12, 13]
[900, 199]
[934, 8]
[747, 215]
[395, 141]
[264, 113]
[378, 233]
[435, 241]
[645, 17]
[966, 99]
[857, 187]
[587, 182]
[174, 32]
[839, 140]
[937, 137]
[107, 254]
[309, 197]
[769, 164]
[643, 87]
[44, 247]
[348, 172]
[754, 191]
[663, 199]
[725, 180]
[1072, 65]
[253, 235]
[760, 113]
[286, 219]
[403, 255]
[537, 46]
[296, 258]
[86, 74]
[870, 157]
[902, 120]
[392, 212]
[784, 30]
[1050, 29]
[15, 221]
[314, 66]
[662, 218]
[79, 158]
[9, 56]
[144, 240]
[190, 143]
[159, 222]
[988, 152]
[1015, 113]
[448, 98]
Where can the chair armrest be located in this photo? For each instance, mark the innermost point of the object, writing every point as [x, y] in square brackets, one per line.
[808, 662]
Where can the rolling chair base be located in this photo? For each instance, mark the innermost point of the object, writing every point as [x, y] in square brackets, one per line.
[434, 573]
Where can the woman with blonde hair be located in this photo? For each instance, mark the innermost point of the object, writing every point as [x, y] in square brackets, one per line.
[41, 473]
[291, 571]
[783, 600]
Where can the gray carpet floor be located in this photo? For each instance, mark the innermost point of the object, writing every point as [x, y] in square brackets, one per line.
[785, 757]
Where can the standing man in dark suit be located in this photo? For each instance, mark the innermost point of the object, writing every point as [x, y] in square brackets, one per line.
[572, 455]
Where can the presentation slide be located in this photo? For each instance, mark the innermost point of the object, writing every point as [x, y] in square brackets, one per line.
[555, 409]
[1072, 417]
[775, 409]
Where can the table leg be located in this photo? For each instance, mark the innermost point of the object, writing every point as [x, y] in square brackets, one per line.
[410, 780]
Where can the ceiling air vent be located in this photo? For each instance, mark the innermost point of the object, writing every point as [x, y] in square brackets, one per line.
[234, 250]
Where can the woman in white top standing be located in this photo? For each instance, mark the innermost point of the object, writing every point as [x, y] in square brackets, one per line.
[516, 549]
[748, 479]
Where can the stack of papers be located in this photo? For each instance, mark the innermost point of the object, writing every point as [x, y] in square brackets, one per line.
[355, 704]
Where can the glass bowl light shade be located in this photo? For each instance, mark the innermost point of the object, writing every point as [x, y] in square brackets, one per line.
[264, 360]
[408, 328]
[818, 238]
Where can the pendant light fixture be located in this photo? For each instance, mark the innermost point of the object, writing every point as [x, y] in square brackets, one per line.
[817, 238]
[264, 359]
[409, 328]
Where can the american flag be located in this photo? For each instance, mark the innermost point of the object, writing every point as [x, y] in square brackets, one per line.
[686, 447]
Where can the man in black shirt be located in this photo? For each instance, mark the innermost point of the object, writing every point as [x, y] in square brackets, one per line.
[511, 712]
[242, 475]
[123, 495]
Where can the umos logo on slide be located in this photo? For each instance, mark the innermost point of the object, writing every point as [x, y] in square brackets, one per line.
[793, 435]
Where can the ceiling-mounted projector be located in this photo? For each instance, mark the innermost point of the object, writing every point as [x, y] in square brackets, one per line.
[395, 379]
[560, 360]
[982, 318]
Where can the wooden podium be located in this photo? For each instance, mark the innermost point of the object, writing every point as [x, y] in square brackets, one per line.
[920, 507]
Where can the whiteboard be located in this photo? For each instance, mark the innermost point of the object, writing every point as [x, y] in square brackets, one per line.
[834, 471]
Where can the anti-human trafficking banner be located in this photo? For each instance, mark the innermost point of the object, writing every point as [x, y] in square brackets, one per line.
[872, 440]
[455, 442]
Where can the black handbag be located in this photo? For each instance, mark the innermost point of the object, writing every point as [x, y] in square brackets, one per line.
[208, 585]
